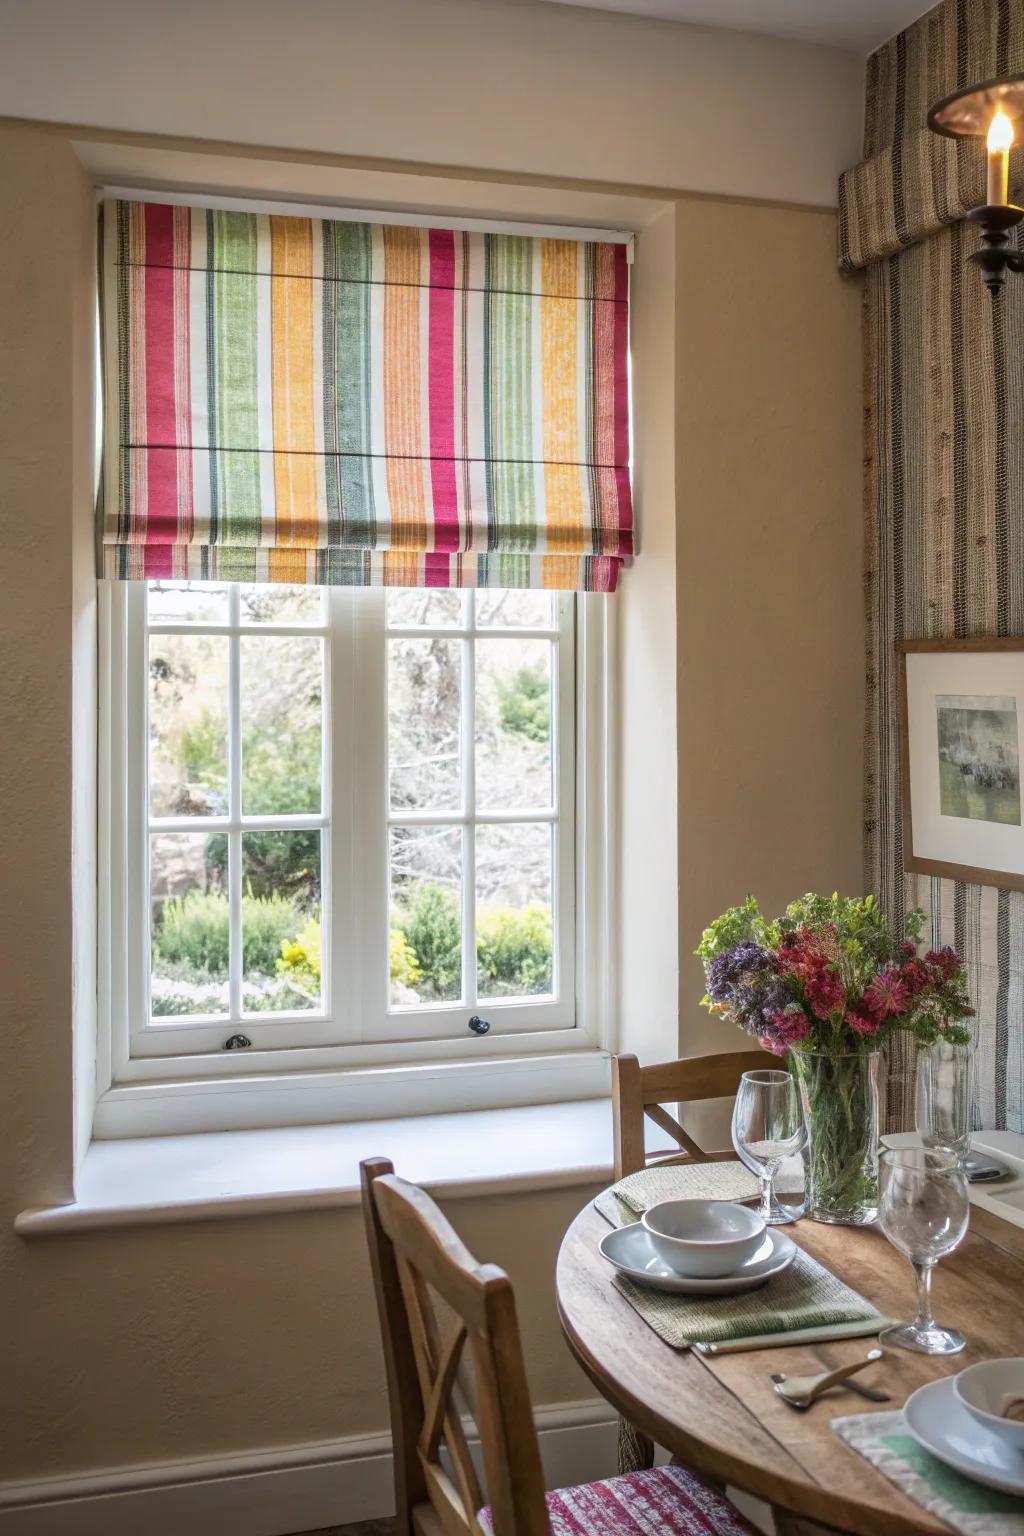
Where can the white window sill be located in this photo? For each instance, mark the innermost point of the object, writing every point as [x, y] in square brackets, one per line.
[216, 1175]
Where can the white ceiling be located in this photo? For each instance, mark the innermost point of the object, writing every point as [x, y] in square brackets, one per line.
[856, 24]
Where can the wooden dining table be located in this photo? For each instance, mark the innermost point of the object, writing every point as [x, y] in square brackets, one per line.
[719, 1413]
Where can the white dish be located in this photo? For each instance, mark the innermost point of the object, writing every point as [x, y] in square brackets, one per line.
[940, 1422]
[983, 1389]
[703, 1239]
[630, 1250]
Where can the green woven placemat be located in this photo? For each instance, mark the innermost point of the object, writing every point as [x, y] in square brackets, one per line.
[806, 1295]
[969, 1507]
[627, 1200]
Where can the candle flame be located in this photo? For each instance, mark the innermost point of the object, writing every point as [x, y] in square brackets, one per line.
[1000, 133]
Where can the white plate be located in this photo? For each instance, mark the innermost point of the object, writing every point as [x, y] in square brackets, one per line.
[939, 1421]
[631, 1251]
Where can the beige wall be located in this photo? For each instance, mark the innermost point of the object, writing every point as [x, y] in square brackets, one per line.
[768, 543]
[145, 1345]
[510, 85]
[47, 707]
[160, 1342]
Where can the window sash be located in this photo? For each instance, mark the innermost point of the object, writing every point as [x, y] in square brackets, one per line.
[355, 819]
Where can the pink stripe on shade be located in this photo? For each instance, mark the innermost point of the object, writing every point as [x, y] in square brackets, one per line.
[161, 413]
[620, 350]
[436, 571]
[441, 391]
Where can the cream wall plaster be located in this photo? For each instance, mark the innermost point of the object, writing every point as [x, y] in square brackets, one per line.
[769, 548]
[189, 1340]
[46, 703]
[499, 84]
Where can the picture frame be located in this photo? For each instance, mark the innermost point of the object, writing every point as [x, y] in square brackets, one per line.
[961, 759]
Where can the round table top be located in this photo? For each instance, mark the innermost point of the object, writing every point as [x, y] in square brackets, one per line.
[719, 1414]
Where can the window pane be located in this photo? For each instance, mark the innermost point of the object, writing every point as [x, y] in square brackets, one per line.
[188, 924]
[426, 915]
[424, 727]
[282, 702]
[188, 725]
[280, 604]
[497, 607]
[187, 602]
[513, 724]
[426, 605]
[514, 937]
[280, 921]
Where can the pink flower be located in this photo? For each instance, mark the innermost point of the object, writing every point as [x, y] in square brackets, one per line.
[777, 1047]
[792, 1024]
[944, 960]
[915, 977]
[862, 1023]
[908, 950]
[825, 991]
[886, 994]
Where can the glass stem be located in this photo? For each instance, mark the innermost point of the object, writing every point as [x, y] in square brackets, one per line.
[923, 1276]
[767, 1178]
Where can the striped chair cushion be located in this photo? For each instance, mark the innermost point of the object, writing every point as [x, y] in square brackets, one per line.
[666, 1501]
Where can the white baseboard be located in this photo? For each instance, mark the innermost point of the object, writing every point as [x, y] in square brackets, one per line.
[273, 1492]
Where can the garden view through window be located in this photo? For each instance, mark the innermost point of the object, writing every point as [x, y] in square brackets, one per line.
[358, 808]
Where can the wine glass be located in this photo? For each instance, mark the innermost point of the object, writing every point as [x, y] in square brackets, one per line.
[767, 1127]
[923, 1209]
[944, 1094]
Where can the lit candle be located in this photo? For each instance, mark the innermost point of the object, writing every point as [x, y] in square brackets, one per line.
[1000, 137]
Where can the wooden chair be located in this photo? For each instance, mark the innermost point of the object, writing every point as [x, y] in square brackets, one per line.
[644, 1091]
[415, 1254]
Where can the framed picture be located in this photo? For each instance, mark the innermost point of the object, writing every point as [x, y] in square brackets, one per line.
[962, 705]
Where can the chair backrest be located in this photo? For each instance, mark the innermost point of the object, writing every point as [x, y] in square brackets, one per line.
[644, 1091]
[415, 1254]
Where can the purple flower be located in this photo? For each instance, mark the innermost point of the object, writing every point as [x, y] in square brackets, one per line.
[739, 967]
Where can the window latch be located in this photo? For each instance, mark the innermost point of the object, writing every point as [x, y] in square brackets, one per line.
[237, 1043]
[478, 1025]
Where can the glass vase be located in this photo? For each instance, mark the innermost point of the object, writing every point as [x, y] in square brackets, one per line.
[840, 1103]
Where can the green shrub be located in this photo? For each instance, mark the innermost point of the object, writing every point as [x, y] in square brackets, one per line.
[276, 864]
[525, 704]
[193, 931]
[299, 960]
[430, 920]
[513, 945]
[405, 969]
[513, 950]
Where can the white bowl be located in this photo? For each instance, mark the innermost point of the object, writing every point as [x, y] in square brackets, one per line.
[983, 1389]
[705, 1238]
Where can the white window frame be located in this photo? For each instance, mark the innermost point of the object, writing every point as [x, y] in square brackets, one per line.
[381, 1063]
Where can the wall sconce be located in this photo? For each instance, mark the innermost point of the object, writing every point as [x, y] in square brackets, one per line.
[989, 111]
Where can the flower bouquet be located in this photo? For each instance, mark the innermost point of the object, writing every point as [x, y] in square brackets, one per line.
[828, 982]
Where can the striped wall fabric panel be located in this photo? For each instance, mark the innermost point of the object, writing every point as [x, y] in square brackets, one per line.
[944, 504]
[912, 181]
[297, 399]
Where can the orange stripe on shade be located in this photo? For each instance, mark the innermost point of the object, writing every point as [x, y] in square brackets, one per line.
[559, 260]
[291, 566]
[563, 496]
[560, 573]
[401, 568]
[402, 383]
[291, 320]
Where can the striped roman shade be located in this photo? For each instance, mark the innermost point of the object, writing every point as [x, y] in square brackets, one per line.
[309, 400]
